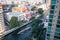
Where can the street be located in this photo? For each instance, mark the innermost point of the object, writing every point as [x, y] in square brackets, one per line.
[19, 36]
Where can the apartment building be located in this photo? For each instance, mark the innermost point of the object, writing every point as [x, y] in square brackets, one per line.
[2, 28]
[53, 29]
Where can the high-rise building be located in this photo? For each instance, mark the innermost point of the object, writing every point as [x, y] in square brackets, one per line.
[2, 27]
[53, 29]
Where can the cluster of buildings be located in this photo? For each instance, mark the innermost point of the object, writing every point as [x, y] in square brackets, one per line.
[23, 12]
[19, 1]
[22, 9]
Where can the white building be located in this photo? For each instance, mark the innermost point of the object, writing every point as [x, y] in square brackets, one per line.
[17, 1]
[43, 6]
[2, 26]
[21, 16]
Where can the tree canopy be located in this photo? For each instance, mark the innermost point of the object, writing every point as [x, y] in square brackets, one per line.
[33, 8]
[27, 38]
[37, 30]
[40, 11]
[14, 22]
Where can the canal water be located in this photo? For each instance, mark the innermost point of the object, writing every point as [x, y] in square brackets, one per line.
[16, 36]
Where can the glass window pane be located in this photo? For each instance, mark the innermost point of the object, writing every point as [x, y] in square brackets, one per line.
[49, 24]
[50, 20]
[58, 26]
[49, 31]
[50, 16]
[53, 1]
[51, 11]
[48, 34]
[52, 6]
[48, 38]
[58, 29]
[58, 21]
[56, 34]
[59, 12]
[58, 17]
[55, 39]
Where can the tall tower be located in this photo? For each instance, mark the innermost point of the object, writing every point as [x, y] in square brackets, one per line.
[2, 27]
[53, 29]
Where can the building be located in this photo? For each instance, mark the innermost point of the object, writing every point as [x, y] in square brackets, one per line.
[53, 29]
[43, 6]
[18, 9]
[20, 15]
[2, 27]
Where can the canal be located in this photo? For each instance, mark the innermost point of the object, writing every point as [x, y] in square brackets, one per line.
[15, 36]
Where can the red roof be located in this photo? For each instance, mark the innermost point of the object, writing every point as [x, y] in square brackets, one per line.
[28, 15]
[35, 10]
[0, 4]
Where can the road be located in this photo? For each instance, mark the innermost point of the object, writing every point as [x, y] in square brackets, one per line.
[19, 36]
[22, 35]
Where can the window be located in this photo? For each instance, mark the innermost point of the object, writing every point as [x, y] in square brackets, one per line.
[56, 37]
[48, 38]
[58, 21]
[57, 1]
[56, 34]
[50, 16]
[48, 34]
[58, 26]
[58, 17]
[51, 11]
[53, 2]
[49, 27]
[59, 12]
[50, 20]
[49, 24]
[58, 30]
[52, 6]
[49, 31]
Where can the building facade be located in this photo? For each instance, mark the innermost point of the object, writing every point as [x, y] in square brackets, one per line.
[2, 27]
[53, 29]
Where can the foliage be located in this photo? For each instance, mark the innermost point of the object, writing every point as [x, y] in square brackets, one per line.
[37, 30]
[27, 38]
[14, 22]
[33, 8]
[40, 11]
[32, 18]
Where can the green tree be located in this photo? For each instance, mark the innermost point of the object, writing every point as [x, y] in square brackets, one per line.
[14, 22]
[33, 8]
[28, 38]
[40, 11]
[37, 30]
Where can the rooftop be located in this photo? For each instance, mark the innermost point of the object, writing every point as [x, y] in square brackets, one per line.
[15, 13]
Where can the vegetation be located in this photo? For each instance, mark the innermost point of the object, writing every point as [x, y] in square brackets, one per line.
[32, 18]
[37, 27]
[40, 11]
[33, 8]
[37, 30]
[14, 22]
[28, 38]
